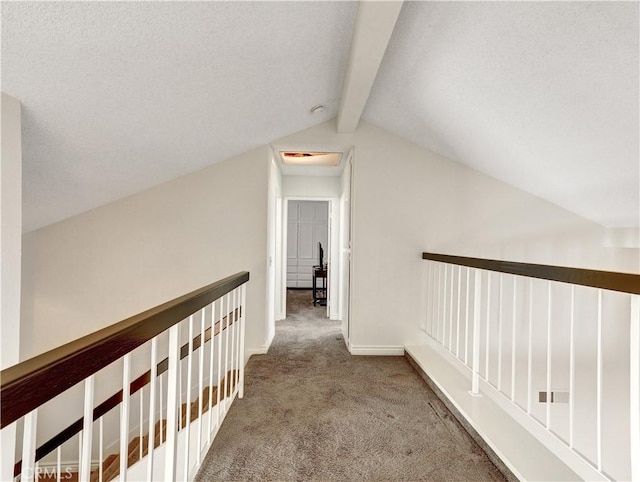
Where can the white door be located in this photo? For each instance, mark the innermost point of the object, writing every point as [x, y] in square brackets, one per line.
[307, 225]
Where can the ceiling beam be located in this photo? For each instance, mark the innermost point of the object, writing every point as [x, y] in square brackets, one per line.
[373, 28]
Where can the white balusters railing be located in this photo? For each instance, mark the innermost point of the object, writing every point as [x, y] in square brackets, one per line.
[566, 362]
[123, 444]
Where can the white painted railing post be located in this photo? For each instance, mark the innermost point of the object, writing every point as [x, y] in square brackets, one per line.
[124, 417]
[634, 373]
[475, 355]
[152, 408]
[29, 447]
[188, 402]
[599, 355]
[87, 429]
[201, 383]
[8, 446]
[172, 404]
[212, 342]
[243, 309]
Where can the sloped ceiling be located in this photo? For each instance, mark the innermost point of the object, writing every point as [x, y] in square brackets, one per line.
[541, 95]
[121, 96]
[118, 96]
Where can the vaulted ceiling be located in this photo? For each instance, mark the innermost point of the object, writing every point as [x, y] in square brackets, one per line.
[121, 96]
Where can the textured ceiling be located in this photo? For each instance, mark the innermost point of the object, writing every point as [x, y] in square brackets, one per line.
[541, 95]
[118, 97]
[121, 96]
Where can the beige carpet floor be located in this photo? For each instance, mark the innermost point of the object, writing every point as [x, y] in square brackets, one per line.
[314, 412]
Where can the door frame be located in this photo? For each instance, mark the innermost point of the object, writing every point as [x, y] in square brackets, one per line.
[332, 275]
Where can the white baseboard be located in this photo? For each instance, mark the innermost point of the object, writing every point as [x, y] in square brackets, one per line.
[376, 350]
[260, 350]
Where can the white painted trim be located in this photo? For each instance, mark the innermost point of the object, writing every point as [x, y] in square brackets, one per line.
[388, 350]
[249, 352]
[371, 34]
[418, 359]
[551, 442]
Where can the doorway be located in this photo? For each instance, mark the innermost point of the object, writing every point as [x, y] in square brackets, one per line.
[315, 202]
[308, 253]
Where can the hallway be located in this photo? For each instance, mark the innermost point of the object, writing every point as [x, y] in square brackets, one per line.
[314, 412]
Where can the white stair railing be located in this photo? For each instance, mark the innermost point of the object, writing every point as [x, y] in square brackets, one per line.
[557, 348]
[157, 438]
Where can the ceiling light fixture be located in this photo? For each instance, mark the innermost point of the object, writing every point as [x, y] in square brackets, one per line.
[311, 158]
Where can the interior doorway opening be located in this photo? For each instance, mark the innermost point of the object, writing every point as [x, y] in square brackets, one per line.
[308, 251]
[309, 208]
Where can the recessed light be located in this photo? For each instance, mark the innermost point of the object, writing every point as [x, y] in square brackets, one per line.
[317, 109]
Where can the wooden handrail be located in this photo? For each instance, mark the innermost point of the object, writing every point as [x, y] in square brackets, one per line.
[138, 384]
[29, 384]
[606, 280]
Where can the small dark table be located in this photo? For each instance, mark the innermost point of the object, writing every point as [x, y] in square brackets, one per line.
[319, 292]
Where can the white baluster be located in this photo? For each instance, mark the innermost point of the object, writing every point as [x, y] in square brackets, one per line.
[200, 383]
[513, 339]
[172, 404]
[475, 378]
[226, 353]
[530, 349]
[87, 429]
[599, 386]
[441, 302]
[451, 311]
[444, 307]
[152, 408]
[434, 298]
[188, 402]
[100, 449]
[219, 386]
[500, 332]
[233, 341]
[488, 340]
[572, 364]
[59, 464]
[162, 424]
[29, 446]
[141, 424]
[124, 417]
[466, 317]
[459, 309]
[438, 288]
[243, 305]
[211, 352]
[427, 321]
[79, 449]
[549, 331]
[8, 441]
[179, 391]
[238, 360]
[634, 383]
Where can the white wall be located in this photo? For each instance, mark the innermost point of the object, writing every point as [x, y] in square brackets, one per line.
[11, 237]
[311, 186]
[10, 247]
[408, 200]
[93, 270]
[344, 252]
[97, 268]
[274, 299]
